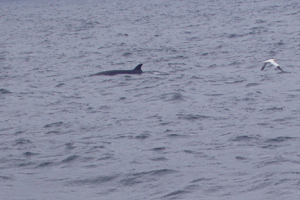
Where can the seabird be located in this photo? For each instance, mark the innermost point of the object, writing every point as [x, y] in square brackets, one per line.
[272, 61]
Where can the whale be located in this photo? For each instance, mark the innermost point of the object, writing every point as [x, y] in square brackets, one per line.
[136, 70]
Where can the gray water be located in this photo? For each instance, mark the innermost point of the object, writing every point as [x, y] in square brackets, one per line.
[202, 121]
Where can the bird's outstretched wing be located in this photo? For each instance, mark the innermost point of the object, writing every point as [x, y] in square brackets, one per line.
[279, 68]
[263, 66]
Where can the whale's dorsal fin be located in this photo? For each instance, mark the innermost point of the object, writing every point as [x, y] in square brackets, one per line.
[138, 67]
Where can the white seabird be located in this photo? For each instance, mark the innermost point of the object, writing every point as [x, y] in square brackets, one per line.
[272, 61]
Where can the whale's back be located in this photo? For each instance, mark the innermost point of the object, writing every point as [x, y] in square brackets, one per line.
[136, 70]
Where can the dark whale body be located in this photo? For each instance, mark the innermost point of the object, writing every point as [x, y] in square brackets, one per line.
[136, 70]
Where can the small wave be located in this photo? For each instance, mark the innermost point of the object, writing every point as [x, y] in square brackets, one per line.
[142, 177]
[169, 97]
[69, 146]
[236, 81]
[127, 54]
[235, 63]
[200, 180]
[22, 141]
[45, 164]
[261, 185]
[279, 139]
[57, 132]
[241, 158]
[233, 35]
[70, 159]
[275, 109]
[55, 124]
[214, 95]
[245, 138]
[136, 178]
[174, 135]
[5, 130]
[271, 161]
[4, 91]
[143, 136]
[60, 85]
[176, 193]
[93, 181]
[159, 73]
[192, 117]
[158, 149]
[159, 159]
[81, 25]
[29, 154]
[5, 178]
[252, 84]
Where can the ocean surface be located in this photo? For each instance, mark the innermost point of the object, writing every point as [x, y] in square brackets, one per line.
[203, 122]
